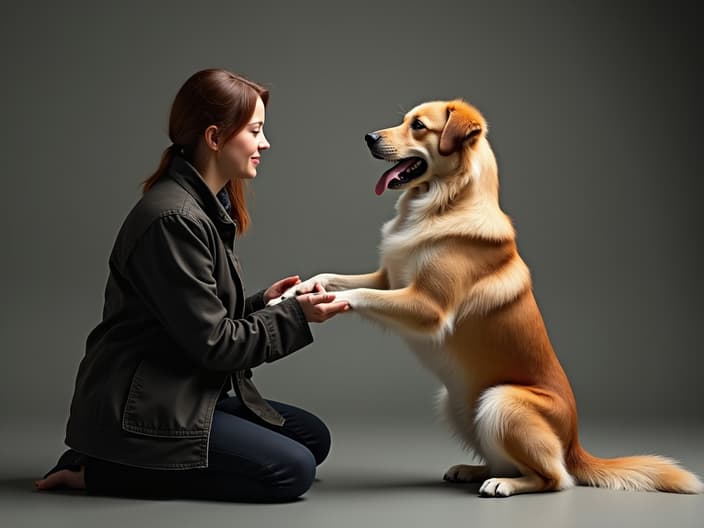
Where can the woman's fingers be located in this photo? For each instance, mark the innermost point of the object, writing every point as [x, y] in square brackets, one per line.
[321, 297]
[320, 307]
[279, 287]
[330, 309]
[289, 281]
[335, 308]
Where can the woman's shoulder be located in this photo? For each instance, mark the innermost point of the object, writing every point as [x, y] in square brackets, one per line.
[165, 199]
[164, 203]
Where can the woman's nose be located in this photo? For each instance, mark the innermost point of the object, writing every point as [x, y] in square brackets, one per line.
[264, 144]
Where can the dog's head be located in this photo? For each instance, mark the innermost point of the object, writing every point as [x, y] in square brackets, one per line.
[435, 140]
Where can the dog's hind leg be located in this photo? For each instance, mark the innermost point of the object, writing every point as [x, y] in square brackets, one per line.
[512, 431]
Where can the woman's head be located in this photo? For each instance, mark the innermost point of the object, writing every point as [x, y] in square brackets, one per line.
[212, 97]
[223, 156]
[218, 100]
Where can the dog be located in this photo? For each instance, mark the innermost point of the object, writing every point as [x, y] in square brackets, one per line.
[452, 284]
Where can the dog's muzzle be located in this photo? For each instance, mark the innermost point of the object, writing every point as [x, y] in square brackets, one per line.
[405, 170]
[372, 140]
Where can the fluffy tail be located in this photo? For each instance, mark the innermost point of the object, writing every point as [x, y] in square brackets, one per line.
[635, 473]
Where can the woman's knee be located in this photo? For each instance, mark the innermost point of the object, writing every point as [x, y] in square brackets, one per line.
[310, 431]
[321, 447]
[293, 475]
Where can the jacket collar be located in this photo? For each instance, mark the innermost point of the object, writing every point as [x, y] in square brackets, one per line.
[190, 179]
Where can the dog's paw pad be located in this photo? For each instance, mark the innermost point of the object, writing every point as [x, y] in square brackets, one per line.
[496, 487]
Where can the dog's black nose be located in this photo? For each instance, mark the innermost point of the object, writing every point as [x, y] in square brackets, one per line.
[372, 138]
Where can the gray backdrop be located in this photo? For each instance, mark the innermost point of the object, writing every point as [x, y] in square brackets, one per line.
[595, 114]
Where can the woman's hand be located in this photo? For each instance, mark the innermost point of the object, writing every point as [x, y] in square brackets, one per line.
[319, 306]
[278, 288]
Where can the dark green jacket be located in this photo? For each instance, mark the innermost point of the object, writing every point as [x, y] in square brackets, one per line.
[177, 332]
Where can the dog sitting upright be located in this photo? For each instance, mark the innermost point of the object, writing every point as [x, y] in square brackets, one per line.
[453, 285]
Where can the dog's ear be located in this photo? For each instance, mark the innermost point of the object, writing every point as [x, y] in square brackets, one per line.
[461, 126]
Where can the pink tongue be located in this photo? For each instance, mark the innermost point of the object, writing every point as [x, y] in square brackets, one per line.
[390, 175]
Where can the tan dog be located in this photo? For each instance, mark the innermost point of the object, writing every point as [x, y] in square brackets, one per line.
[452, 283]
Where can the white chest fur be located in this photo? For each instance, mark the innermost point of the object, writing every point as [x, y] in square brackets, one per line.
[401, 255]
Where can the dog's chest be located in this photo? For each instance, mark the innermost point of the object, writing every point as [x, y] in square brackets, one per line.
[402, 260]
[400, 270]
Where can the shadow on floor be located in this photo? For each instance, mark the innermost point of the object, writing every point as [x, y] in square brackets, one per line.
[375, 483]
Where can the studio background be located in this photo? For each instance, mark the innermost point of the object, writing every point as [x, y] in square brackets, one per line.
[595, 115]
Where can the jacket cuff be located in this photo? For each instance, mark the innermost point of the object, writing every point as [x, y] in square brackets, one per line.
[287, 329]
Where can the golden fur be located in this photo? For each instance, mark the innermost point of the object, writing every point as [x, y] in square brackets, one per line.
[451, 282]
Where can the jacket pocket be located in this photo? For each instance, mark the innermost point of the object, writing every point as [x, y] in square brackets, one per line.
[171, 399]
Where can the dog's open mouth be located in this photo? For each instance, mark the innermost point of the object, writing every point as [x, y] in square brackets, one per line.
[404, 171]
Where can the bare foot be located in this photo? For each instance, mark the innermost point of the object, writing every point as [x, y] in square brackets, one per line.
[64, 478]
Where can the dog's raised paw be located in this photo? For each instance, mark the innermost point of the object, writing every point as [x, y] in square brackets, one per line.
[291, 292]
[275, 301]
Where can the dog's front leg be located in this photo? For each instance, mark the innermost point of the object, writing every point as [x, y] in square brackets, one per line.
[334, 282]
[407, 310]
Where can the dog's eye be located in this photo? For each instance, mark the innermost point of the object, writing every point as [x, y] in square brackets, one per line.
[417, 125]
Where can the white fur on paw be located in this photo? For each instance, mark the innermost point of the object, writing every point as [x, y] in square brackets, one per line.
[291, 292]
[352, 297]
[464, 473]
[496, 487]
[275, 300]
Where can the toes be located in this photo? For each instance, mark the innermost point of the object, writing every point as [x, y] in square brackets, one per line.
[495, 488]
[451, 474]
[62, 479]
[465, 473]
[52, 481]
[458, 473]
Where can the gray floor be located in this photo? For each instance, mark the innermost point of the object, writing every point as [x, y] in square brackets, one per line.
[377, 475]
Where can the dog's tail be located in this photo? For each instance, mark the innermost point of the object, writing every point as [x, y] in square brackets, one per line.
[635, 473]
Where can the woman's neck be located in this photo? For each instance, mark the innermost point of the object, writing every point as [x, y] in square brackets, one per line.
[205, 164]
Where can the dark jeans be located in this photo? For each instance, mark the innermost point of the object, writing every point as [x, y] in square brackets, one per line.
[248, 460]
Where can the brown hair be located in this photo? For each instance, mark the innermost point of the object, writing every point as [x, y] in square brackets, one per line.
[211, 97]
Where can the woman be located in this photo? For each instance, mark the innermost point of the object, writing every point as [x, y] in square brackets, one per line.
[153, 412]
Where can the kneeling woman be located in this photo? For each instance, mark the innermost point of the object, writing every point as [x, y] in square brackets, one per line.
[153, 412]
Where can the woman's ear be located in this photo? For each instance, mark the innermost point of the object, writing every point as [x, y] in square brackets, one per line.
[211, 138]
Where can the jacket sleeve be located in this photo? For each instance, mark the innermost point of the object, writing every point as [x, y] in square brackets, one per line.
[254, 302]
[171, 268]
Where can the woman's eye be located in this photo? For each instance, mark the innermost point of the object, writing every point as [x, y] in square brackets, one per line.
[417, 125]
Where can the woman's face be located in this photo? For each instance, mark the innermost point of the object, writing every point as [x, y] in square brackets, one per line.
[240, 154]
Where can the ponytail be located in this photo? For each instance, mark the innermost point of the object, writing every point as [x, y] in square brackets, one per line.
[166, 159]
[240, 214]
